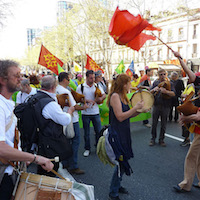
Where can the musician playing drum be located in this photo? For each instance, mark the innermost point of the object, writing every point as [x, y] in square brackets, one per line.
[10, 80]
[161, 105]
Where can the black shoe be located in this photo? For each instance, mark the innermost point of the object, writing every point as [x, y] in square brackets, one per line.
[152, 143]
[196, 185]
[185, 143]
[114, 198]
[179, 189]
[123, 190]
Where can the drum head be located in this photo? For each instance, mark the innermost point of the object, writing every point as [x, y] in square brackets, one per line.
[144, 95]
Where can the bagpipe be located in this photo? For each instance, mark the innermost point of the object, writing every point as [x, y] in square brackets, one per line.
[98, 94]
[63, 100]
[165, 84]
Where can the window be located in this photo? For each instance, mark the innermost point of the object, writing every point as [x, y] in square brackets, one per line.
[169, 34]
[150, 55]
[180, 33]
[159, 54]
[195, 31]
[194, 54]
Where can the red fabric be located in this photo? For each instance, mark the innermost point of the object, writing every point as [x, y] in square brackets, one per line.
[48, 60]
[126, 29]
[92, 65]
[197, 129]
[129, 72]
[144, 78]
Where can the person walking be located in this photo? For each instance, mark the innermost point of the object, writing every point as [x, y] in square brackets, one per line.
[119, 115]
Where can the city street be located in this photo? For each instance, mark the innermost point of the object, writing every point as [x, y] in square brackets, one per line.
[155, 169]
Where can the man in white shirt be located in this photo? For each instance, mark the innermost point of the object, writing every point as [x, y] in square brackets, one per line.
[63, 80]
[10, 79]
[51, 115]
[25, 91]
[88, 89]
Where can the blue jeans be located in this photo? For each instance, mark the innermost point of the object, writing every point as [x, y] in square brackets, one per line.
[115, 183]
[96, 121]
[75, 141]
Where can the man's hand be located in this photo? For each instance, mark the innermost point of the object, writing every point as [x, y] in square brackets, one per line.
[45, 163]
[71, 110]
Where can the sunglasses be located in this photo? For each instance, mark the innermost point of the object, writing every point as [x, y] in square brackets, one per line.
[162, 74]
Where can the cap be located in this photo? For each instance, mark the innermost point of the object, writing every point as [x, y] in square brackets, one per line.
[79, 75]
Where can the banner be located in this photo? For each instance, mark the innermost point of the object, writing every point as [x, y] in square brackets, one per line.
[92, 65]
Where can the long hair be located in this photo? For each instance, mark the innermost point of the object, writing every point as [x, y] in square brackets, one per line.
[118, 87]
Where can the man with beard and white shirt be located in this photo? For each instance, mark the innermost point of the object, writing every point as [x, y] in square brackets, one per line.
[71, 164]
[10, 79]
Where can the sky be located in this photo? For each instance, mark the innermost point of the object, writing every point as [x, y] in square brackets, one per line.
[40, 13]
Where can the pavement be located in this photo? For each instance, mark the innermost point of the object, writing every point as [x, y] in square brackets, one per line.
[155, 169]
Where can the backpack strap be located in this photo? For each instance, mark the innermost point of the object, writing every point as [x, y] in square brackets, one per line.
[82, 87]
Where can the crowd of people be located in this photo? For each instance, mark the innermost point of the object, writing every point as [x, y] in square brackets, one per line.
[168, 93]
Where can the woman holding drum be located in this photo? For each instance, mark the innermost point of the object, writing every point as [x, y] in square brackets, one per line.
[119, 114]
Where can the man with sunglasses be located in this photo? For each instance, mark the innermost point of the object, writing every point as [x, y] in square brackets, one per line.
[161, 107]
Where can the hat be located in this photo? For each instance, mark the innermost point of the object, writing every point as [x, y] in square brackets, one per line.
[98, 73]
[79, 75]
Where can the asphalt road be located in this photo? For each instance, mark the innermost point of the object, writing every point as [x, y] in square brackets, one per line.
[156, 169]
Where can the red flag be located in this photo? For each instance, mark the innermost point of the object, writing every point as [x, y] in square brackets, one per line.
[126, 29]
[92, 65]
[48, 60]
[129, 72]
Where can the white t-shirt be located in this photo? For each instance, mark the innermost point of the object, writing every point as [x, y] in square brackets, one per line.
[89, 95]
[22, 96]
[61, 90]
[54, 112]
[6, 112]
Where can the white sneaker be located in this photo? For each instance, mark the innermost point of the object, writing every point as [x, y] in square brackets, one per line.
[147, 125]
[86, 153]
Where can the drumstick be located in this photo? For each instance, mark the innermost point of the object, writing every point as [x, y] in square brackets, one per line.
[57, 174]
[165, 44]
[140, 91]
[56, 159]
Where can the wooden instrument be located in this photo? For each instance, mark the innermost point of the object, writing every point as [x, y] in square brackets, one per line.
[63, 100]
[98, 94]
[167, 85]
[79, 98]
[188, 108]
[33, 186]
[144, 95]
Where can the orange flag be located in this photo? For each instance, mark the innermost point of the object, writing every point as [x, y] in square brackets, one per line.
[129, 72]
[126, 29]
[92, 65]
[48, 60]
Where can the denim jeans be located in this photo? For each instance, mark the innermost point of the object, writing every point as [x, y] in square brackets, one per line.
[72, 162]
[115, 183]
[96, 121]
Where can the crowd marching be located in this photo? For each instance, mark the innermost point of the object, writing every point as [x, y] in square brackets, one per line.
[55, 110]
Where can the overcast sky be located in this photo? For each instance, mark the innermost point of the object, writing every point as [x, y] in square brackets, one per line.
[39, 13]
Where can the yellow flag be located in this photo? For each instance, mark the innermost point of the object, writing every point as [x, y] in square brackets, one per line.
[77, 67]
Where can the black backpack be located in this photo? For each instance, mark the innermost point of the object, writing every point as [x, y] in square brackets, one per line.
[27, 122]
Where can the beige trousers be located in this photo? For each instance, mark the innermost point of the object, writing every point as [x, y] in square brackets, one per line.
[192, 164]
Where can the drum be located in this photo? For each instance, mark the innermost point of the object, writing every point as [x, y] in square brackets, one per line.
[37, 187]
[144, 95]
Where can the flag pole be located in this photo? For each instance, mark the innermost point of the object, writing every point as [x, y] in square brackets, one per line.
[164, 43]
